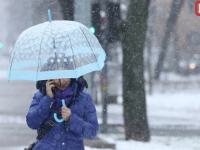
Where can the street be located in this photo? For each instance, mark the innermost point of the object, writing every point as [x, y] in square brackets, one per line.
[16, 97]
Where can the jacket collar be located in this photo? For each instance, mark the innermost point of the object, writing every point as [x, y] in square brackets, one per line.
[76, 84]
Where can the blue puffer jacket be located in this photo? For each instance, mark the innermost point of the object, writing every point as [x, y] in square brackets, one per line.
[66, 135]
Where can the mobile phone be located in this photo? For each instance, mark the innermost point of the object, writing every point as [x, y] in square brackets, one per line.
[53, 88]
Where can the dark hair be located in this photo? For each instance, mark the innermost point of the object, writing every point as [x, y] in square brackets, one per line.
[84, 81]
[38, 83]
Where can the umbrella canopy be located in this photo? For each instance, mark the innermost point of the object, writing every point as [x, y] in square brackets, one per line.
[55, 49]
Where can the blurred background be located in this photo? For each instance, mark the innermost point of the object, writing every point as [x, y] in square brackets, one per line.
[172, 93]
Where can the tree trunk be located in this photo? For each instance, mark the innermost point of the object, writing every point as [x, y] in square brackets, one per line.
[149, 62]
[132, 35]
[176, 52]
[171, 22]
[67, 9]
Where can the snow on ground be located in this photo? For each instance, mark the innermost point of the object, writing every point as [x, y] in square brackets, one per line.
[170, 76]
[164, 143]
[22, 147]
[175, 77]
[174, 109]
[156, 143]
[181, 109]
[3, 74]
[12, 119]
[3, 67]
[163, 109]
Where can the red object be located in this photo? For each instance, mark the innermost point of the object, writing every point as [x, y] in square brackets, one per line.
[197, 8]
[103, 21]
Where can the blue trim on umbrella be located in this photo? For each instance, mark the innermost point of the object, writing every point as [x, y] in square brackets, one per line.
[30, 75]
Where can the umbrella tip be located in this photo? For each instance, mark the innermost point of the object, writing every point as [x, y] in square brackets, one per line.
[49, 14]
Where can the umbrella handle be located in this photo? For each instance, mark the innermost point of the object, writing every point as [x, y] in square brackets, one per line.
[55, 115]
[49, 14]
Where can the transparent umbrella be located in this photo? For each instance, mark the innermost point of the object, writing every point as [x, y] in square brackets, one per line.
[50, 41]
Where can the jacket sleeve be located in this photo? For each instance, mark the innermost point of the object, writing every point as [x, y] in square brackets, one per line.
[88, 126]
[39, 110]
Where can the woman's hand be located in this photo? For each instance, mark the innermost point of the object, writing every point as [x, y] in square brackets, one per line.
[49, 85]
[66, 113]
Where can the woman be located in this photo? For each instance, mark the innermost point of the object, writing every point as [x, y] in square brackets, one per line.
[80, 119]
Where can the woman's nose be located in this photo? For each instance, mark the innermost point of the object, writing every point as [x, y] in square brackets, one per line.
[62, 81]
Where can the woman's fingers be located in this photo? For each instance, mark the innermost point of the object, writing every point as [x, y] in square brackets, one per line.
[66, 113]
[49, 85]
[64, 109]
[52, 85]
[49, 82]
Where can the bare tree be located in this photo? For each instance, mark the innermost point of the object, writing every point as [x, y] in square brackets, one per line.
[171, 23]
[149, 41]
[176, 52]
[132, 35]
[67, 9]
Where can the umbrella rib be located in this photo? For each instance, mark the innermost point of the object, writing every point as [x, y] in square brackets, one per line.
[14, 52]
[56, 50]
[72, 51]
[22, 37]
[90, 47]
[40, 50]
